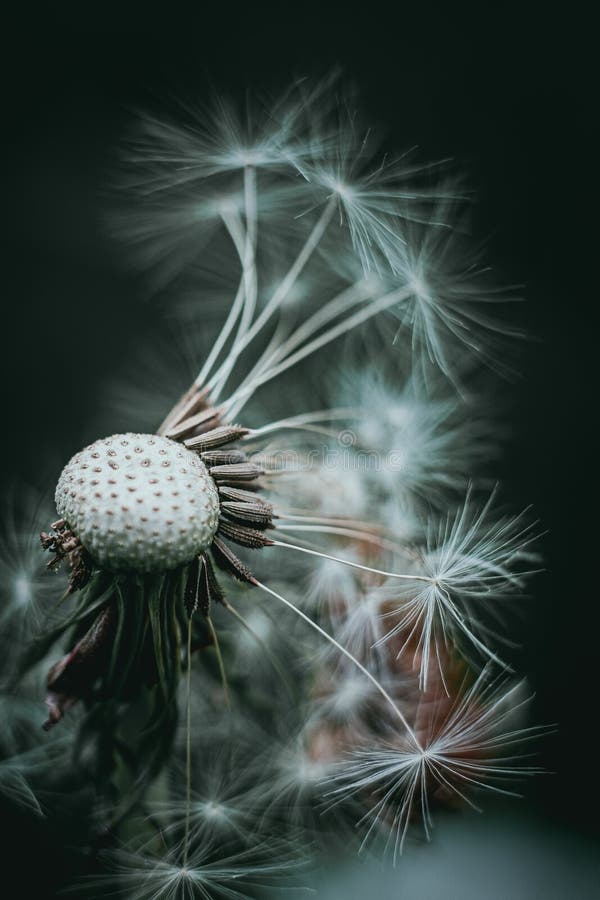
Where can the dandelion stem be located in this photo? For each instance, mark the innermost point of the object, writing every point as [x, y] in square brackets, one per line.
[188, 742]
[235, 227]
[341, 303]
[290, 279]
[220, 662]
[357, 293]
[233, 316]
[349, 656]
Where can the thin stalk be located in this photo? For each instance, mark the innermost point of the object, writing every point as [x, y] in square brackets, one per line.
[348, 656]
[354, 565]
[232, 318]
[341, 303]
[220, 662]
[235, 227]
[282, 290]
[322, 415]
[188, 742]
[249, 278]
[239, 398]
[356, 293]
[323, 528]
[239, 237]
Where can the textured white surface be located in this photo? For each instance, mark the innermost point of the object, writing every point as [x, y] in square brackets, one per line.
[139, 502]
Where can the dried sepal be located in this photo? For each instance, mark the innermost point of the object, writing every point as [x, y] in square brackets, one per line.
[217, 437]
[227, 560]
[243, 535]
[243, 495]
[67, 547]
[201, 422]
[235, 473]
[256, 514]
[72, 677]
[223, 457]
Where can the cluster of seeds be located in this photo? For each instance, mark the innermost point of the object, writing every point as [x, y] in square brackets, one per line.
[139, 501]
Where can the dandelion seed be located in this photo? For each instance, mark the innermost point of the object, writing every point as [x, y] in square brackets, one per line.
[296, 765]
[21, 773]
[421, 446]
[346, 697]
[374, 198]
[452, 302]
[472, 562]
[208, 874]
[467, 745]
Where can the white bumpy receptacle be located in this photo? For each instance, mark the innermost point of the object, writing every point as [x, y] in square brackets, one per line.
[139, 502]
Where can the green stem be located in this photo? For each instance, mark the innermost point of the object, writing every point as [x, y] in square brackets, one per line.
[213, 633]
[188, 742]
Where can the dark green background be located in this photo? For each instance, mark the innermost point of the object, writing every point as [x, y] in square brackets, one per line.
[505, 89]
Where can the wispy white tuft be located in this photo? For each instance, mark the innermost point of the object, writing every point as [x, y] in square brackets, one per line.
[468, 746]
[454, 306]
[210, 873]
[28, 591]
[472, 561]
[416, 442]
[221, 807]
[374, 196]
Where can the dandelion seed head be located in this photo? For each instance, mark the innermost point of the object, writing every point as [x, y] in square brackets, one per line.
[125, 498]
[418, 287]
[297, 767]
[331, 489]
[261, 625]
[286, 210]
[343, 190]
[360, 626]
[453, 304]
[209, 872]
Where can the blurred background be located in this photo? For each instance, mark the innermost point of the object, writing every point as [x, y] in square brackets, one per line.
[507, 92]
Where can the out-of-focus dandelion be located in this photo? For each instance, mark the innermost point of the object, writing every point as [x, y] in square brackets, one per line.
[421, 449]
[25, 588]
[221, 808]
[206, 874]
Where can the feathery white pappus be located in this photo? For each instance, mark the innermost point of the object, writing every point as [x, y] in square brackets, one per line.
[472, 561]
[209, 872]
[468, 743]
